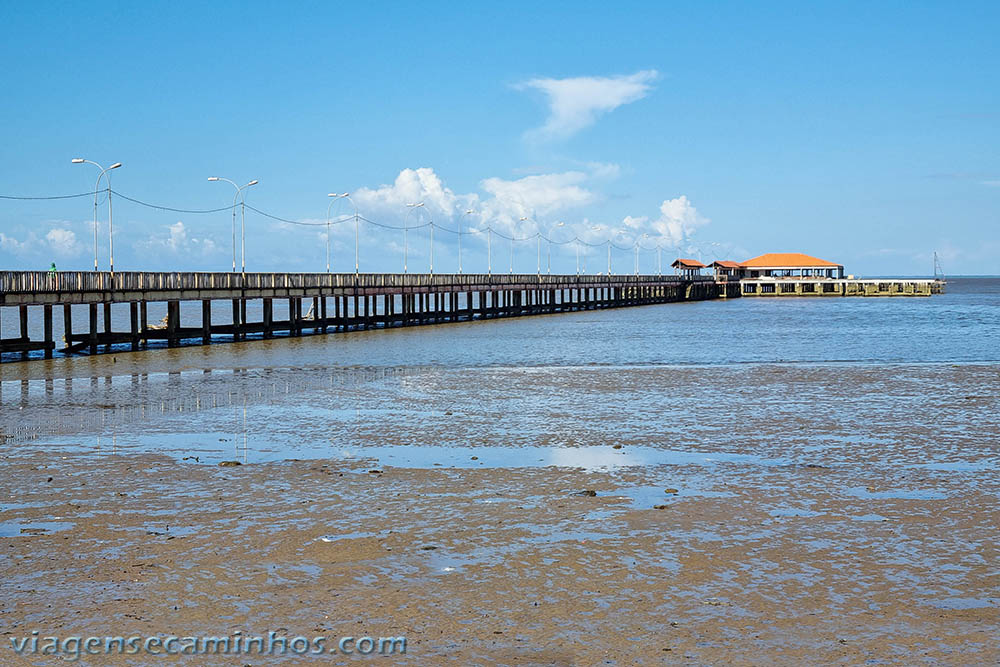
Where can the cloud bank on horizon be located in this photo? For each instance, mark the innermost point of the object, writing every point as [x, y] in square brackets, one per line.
[528, 205]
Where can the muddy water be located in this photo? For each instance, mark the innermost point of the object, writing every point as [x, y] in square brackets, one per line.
[619, 487]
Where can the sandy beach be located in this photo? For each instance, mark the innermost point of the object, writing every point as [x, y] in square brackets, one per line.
[789, 553]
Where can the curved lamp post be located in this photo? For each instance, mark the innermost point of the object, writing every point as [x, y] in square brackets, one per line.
[111, 241]
[595, 228]
[243, 220]
[334, 197]
[460, 219]
[619, 232]
[411, 207]
[538, 244]
[548, 249]
[644, 236]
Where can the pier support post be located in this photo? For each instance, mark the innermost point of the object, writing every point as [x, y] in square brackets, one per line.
[133, 320]
[23, 315]
[93, 329]
[206, 321]
[173, 320]
[107, 326]
[68, 324]
[143, 323]
[47, 326]
[236, 319]
[322, 308]
[268, 316]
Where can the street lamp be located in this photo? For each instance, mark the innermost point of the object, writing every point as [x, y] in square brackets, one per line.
[411, 207]
[512, 248]
[462, 217]
[595, 228]
[548, 250]
[347, 196]
[111, 241]
[243, 220]
[538, 245]
[644, 236]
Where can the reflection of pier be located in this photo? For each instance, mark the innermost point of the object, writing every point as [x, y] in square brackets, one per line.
[102, 405]
[340, 302]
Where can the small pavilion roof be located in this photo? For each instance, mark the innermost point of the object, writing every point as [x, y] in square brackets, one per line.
[787, 260]
[726, 264]
[687, 264]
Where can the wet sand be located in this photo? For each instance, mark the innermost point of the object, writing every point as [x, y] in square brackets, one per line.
[859, 528]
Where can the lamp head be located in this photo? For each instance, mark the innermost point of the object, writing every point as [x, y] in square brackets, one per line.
[77, 160]
[115, 166]
[213, 178]
[253, 182]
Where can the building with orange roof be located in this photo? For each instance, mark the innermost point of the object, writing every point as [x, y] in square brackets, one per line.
[790, 265]
[688, 268]
[725, 269]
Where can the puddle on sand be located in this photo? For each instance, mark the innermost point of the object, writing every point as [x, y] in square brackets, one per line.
[958, 466]
[211, 447]
[792, 512]
[587, 458]
[895, 494]
[17, 529]
[964, 603]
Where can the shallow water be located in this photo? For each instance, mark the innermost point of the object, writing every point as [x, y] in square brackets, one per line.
[958, 326]
[911, 381]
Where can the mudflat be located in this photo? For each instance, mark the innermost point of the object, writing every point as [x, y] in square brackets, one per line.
[842, 515]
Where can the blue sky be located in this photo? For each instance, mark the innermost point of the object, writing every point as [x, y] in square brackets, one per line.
[865, 133]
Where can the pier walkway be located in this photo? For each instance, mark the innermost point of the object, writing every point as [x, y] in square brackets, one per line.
[339, 302]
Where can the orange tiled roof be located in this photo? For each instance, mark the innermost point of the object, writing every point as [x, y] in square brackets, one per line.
[689, 264]
[726, 264]
[786, 260]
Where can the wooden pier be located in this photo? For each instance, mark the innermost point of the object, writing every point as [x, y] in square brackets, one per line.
[339, 302]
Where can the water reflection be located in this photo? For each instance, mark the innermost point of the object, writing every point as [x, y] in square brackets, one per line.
[32, 409]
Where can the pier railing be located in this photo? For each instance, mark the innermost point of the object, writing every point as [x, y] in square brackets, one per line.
[13, 282]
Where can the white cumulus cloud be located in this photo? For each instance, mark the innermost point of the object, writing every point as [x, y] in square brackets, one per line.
[63, 242]
[177, 240]
[678, 220]
[500, 203]
[540, 194]
[576, 103]
[410, 187]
